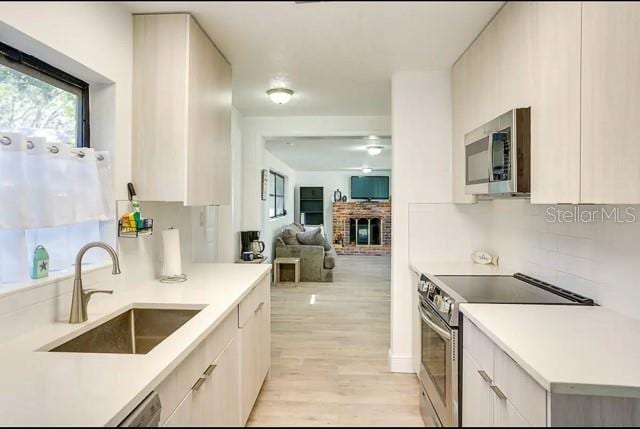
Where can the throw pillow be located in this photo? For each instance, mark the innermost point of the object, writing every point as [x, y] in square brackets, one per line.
[313, 238]
[289, 235]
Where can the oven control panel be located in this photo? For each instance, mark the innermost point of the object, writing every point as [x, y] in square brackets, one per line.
[435, 296]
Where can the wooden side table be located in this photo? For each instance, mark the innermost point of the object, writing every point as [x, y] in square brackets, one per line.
[280, 261]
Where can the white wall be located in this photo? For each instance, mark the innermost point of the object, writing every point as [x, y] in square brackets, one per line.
[330, 181]
[272, 227]
[230, 216]
[421, 152]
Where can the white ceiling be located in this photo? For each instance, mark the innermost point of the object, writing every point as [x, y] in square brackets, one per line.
[330, 153]
[338, 57]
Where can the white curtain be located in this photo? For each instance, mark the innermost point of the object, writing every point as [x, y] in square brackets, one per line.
[50, 194]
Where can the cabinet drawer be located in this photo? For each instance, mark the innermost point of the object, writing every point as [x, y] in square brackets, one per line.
[259, 296]
[522, 391]
[221, 336]
[178, 384]
[479, 346]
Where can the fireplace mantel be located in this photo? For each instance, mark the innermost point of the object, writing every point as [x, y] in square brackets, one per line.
[362, 227]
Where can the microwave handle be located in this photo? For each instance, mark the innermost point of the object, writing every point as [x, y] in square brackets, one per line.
[490, 155]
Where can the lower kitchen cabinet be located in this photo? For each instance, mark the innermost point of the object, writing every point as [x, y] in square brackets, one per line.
[476, 391]
[222, 389]
[498, 392]
[189, 412]
[495, 390]
[217, 384]
[255, 341]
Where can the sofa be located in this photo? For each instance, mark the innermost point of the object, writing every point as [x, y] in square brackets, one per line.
[317, 261]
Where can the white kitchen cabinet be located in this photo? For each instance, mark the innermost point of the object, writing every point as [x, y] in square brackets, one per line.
[529, 55]
[475, 391]
[181, 113]
[222, 389]
[610, 103]
[460, 114]
[189, 412]
[217, 384]
[483, 79]
[555, 109]
[513, 57]
[255, 340]
[572, 62]
[495, 390]
[192, 391]
[492, 77]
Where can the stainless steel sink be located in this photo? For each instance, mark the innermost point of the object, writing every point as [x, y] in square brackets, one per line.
[135, 331]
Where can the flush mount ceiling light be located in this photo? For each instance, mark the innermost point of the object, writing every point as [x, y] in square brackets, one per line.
[280, 95]
[374, 149]
[367, 170]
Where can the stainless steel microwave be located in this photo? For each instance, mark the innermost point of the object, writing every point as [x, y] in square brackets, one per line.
[498, 156]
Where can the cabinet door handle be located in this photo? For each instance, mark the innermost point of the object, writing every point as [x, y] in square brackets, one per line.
[259, 307]
[209, 370]
[498, 392]
[485, 376]
[198, 384]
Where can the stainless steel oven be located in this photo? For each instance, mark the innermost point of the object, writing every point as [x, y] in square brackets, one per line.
[439, 368]
[497, 156]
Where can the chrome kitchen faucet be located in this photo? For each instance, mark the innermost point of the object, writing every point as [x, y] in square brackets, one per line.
[80, 297]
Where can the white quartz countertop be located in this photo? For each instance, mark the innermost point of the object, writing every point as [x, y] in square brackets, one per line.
[38, 388]
[566, 349]
[457, 268]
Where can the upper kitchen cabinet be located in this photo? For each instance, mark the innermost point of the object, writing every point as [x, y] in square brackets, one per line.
[513, 58]
[460, 114]
[610, 103]
[492, 77]
[528, 56]
[181, 113]
[555, 102]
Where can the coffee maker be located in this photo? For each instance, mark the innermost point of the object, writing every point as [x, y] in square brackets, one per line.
[248, 238]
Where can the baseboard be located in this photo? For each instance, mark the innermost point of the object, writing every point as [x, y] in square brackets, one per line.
[401, 363]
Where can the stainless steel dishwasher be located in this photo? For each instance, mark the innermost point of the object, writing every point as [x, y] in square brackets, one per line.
[146, 415]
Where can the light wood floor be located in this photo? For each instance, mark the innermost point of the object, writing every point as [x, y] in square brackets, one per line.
[329, 359]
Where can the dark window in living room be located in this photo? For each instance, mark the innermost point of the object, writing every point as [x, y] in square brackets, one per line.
[276, 195]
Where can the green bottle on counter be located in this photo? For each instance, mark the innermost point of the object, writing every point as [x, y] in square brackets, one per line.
[40, 268]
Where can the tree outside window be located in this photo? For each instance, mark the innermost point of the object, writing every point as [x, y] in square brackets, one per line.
[36, 99]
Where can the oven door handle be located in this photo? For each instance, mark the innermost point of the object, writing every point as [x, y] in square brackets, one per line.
[430, 323]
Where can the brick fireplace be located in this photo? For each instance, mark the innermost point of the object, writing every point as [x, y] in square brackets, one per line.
[362, 227]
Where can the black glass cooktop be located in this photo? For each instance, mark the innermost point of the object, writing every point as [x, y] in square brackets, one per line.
[519, 289]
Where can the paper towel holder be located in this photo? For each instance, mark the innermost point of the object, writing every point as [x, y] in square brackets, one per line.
[176, 278]
[181, 278]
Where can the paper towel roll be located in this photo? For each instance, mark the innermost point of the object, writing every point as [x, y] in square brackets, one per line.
[172, 262]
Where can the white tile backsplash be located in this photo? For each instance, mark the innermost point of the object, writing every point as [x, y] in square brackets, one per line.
[600, 260]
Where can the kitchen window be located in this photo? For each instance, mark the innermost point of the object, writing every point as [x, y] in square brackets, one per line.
[39, 99]
[276, 195]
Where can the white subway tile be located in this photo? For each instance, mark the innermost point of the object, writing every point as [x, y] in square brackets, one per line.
[547, 241]
[578, 285]
[575, 246]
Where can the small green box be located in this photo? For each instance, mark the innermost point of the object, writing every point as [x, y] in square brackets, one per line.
[40, 268]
